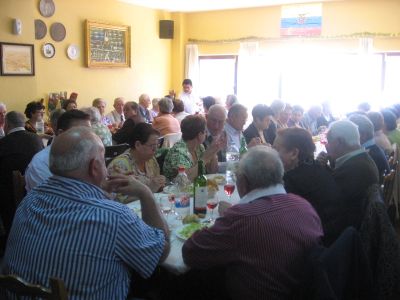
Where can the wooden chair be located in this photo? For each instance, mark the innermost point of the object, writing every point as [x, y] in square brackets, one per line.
[18, 186]
[20, 287]
[113, 151]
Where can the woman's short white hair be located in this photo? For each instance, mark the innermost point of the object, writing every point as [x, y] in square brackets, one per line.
[346, 130]
[165, 105]
[76, 155]
[94, 114]
[262, 167]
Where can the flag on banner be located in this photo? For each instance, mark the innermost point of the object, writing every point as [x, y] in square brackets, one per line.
[301, 20]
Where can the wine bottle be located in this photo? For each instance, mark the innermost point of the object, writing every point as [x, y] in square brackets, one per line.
[243, 146]
[200, 192]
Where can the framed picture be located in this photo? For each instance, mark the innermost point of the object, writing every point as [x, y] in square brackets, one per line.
[107, 45]
[17, 59]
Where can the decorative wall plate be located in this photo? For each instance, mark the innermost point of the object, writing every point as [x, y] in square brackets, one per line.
[40, 29]
[73, 52]
[47, 8]
[48, 50]
[57, 32]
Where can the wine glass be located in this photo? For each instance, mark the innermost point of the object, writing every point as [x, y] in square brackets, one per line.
[229, 188]
[212, 204]
[171, 200]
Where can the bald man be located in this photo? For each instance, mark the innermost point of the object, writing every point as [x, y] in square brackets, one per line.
[69, 229]
[144, 104]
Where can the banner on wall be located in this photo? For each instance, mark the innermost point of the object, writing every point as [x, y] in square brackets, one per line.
[301, 20]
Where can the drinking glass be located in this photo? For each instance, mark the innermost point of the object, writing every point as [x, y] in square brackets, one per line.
[212, 204]
[229, 188]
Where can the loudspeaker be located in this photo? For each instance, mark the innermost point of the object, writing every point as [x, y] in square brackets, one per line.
[166, 29]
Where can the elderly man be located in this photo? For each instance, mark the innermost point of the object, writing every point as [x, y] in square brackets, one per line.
[38, 169]
[133, 117]
[117, 117]
[310, 118]
[193, 103]
[16, 151]
[69, 229]
[237, 117]
[264, 239]
[367, 140]
[144, 104]
[216, 118]
[354, 170]
[3, 111]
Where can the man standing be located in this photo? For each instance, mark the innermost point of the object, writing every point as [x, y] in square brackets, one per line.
[3, 111]
[69, 229]
[144, 104]
[38, 170]
[264, 239]
[117, 115]
[193, 103]
[16, 151]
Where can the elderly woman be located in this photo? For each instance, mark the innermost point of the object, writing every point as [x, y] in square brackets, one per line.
[99, 129]
[69, 105]
[165, 123]
[139, 160]
[304, 177]
[380, 138]
[101, 104]
[188, 151]
[230, 101]
[179, 110]
[34, 111]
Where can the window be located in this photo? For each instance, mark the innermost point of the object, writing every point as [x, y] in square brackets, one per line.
[217, 76]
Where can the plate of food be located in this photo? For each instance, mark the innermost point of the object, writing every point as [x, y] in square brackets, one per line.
[186, 231]
[219, 179]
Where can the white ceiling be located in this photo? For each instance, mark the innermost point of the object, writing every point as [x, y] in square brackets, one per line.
[207, 5]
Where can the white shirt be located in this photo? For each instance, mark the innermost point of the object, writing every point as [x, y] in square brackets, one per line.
[180, 116]
[233, 136]
[38, 169]
[192, 103]
[263, 192]
[115, 117]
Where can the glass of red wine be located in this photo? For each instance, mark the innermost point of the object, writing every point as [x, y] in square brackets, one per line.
[229, 188]
[211, 204]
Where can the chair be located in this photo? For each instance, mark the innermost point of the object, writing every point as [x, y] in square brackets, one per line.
[20, 287]
[113, 151]
[18, 186]
[170, 139]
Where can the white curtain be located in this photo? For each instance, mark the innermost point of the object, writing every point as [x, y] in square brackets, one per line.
[248, 88]
[192, 64]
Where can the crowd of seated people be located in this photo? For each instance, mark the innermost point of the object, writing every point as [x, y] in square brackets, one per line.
[292, 198]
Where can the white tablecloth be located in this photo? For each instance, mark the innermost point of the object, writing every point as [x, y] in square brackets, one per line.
[174, 262]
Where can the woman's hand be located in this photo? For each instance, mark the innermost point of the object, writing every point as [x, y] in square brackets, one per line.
[126, 185]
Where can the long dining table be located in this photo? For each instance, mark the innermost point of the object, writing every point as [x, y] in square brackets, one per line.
[174, 262]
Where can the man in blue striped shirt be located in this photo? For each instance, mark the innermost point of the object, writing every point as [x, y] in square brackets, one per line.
[67, 227]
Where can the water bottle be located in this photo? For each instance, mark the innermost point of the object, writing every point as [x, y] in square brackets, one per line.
[182, 187]
[39, 126]
[232, 161]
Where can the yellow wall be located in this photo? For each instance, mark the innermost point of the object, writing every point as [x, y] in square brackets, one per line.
[151, 56]
[339, 18]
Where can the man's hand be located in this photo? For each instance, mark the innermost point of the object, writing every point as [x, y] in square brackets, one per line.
[126, 185]
[254, 142]
[223, 206]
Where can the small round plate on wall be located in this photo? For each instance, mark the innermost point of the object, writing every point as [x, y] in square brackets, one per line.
[57, 32]
[73, 52]
[47, 8]
[48, 50]
[40, 29]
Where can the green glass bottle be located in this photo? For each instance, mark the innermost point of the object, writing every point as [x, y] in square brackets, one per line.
[243, 146]
[200, 192]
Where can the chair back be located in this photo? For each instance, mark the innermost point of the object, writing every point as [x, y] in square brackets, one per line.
[18, 186]
[113, 151]
[170, 139]
[19, 287]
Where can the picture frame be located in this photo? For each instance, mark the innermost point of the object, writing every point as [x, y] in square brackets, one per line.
[17, 59]
[107, 45]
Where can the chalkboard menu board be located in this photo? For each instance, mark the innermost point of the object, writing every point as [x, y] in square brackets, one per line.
[107, 45]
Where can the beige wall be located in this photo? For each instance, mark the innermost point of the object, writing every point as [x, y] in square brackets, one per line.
[338, 18]
[151, 56]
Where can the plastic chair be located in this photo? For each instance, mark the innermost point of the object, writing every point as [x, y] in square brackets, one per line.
[20, 287]
[170, 139]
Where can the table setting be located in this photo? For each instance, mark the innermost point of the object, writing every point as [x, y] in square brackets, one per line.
[181, 221]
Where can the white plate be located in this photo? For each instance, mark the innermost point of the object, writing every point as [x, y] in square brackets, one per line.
[178, 231]
[48, 50]
[73, 52]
